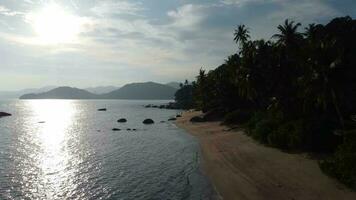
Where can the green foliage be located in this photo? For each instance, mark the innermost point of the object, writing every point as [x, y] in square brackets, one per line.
[184, 96]
[237, 116]
[300, 86]
[342, 164]
[263, 129]
[288, 136]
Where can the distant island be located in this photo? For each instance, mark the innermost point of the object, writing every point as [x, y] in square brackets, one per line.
[147, 90]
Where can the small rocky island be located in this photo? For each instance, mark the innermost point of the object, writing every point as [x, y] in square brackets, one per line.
[4, 114]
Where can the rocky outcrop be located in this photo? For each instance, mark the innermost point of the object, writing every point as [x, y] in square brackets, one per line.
[122, 120]
[148, 121]
[197, 119]
[4, 114]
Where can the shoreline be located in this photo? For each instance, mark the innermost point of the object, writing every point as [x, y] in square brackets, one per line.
[241, 168]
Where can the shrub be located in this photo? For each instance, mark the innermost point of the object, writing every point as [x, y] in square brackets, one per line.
[320, 135]
[255, 118]
[288, 136]
[237, 116]
[263, 129]
[342, 165]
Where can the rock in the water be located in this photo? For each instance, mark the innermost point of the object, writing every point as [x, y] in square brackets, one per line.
[134, 129]
[163, 121]
[197, 119]
[102, 109]
[4, 114]
[148, 121]
[122, 120]
[41, 122]
[128, 129]
[172, 119]
[116, 129]
[177, 116]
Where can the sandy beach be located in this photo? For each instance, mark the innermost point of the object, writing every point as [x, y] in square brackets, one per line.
[240, 168]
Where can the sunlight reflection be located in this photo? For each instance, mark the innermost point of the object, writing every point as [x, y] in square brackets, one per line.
[52, 135]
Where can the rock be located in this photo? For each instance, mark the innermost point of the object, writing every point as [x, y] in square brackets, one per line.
[148, 121]
[197, 119]
[154, 106]
[213, 115]
[4, 114]
[148, 106]
[172, 119]
[177, 116]
[41, 122]
[102, 109]
[128, 129]
[122, 120]
[163, 121]
[134, 129]
[116, 129]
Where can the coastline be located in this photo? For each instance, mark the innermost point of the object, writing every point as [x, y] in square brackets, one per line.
[240, 168]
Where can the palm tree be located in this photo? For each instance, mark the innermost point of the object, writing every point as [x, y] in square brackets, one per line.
[289, 35]
[241, 35]
[310, 31]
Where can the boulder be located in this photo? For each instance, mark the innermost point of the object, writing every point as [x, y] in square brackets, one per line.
[197, 119]
[177, 116]
[102, 109]
[4, 114]
[122, 120]
[128, 129]
[148, 121]
[172, 119]
[116, 129]
[214, 115]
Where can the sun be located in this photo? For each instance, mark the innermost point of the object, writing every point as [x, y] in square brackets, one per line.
[53, 25]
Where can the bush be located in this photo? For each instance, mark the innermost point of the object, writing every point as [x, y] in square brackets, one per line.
[288, 136]
[255, 118]
[263, 129]
[342, 165]
[320, 135]
[237, 116]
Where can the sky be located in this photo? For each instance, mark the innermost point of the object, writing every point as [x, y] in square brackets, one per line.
[85, 43]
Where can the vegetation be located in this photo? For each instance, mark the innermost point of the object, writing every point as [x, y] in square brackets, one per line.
[296, 91]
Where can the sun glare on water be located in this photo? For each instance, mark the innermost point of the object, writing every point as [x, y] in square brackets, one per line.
[54, 25]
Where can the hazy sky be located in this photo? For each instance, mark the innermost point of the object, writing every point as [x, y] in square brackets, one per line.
[112, 42]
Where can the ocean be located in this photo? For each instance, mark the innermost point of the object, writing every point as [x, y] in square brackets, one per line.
[66, 149]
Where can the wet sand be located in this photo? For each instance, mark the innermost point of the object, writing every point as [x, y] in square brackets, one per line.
[240, 168]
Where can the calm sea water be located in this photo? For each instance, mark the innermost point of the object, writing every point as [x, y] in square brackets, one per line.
[74, 154]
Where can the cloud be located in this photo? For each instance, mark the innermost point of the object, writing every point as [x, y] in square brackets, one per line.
[7, 12]
[109, 8]
[303, 10]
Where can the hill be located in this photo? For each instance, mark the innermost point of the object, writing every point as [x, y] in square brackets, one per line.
[174, 84]
[147, 90]
[101, 89]
[62, 93]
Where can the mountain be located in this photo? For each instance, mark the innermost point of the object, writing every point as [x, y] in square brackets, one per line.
[17, 94]
[175, 85]
[62, 93]
[147, 90]
[101, 89]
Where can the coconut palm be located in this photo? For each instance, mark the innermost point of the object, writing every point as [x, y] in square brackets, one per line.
[289, 35]
[241, 35]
